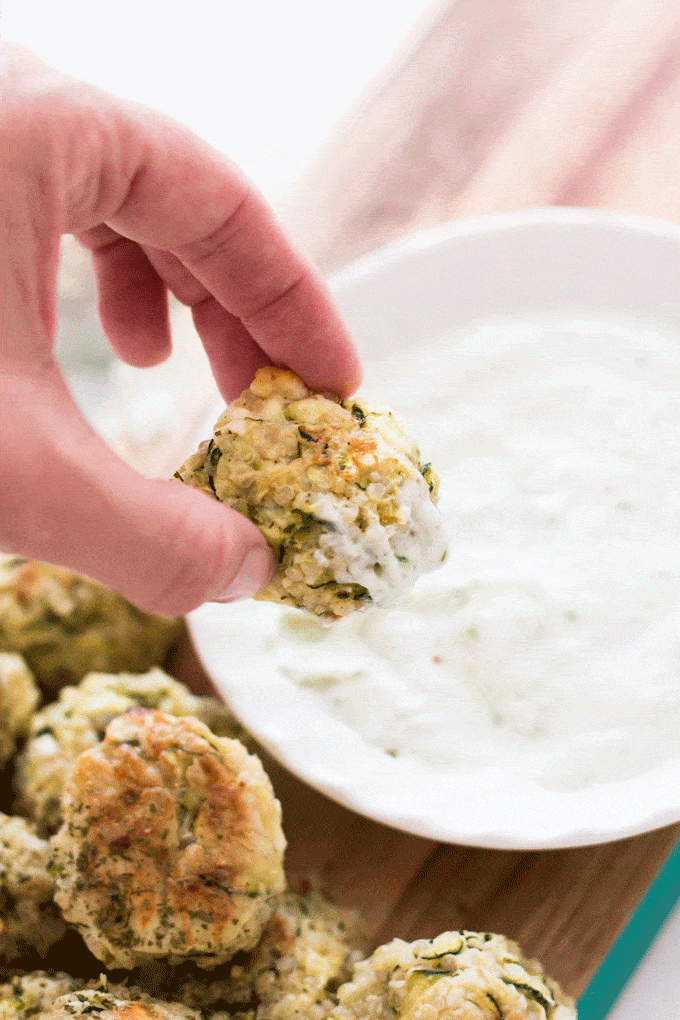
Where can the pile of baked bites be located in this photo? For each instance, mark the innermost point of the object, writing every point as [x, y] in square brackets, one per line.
[144, 876]
[142, 867]
[337, 488]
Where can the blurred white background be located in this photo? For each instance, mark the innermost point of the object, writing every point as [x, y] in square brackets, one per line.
[263, 81]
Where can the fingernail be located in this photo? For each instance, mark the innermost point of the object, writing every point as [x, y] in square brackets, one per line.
[254, 573]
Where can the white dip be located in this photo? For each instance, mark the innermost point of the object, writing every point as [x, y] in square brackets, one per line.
[550, 640]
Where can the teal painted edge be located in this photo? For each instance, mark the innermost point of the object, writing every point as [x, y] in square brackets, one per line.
[627, 952]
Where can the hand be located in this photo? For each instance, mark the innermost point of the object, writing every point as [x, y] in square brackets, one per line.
[159, 210]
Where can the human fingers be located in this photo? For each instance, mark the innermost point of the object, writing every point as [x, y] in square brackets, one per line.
[66, 497]
[139, 332]
[233, 354]
[153, 182]
[131, 298]
[257, 275]
[220, 229]
[248, 271]
[164, 546]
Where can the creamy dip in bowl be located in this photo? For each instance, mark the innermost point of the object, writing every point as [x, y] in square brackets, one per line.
[528, 693]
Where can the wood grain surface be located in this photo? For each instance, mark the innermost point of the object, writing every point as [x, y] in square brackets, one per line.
[490, 105]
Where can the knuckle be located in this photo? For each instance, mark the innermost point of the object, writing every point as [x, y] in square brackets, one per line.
[274, 307]
[199, 252]
[37, 116]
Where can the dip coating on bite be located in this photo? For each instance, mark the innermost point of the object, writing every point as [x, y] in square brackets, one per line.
[77, 721]
[66, 625]
[337, 489]
[29, 920]
[307, 949]
[19, 697]
[171, 845]
[456, 976]
[28, 995]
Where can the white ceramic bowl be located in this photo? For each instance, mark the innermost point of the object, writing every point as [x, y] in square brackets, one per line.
[545, 260]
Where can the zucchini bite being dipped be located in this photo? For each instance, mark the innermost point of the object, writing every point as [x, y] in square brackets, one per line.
[336, 487]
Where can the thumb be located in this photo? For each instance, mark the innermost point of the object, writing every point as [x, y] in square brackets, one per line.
[69, 499]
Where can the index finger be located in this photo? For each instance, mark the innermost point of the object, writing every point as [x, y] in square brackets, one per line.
[188, 199]
[89, 159]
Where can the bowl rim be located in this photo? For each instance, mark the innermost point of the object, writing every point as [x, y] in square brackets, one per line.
[501, 222]
[351, 789]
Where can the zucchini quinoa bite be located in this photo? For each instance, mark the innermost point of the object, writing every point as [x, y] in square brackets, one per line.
[171, 845]
[77, 720]
[115, 1002]
[19, 698]
[456, 976]
[60, 996]
[336, 487]
[30, 922]
[30, 995]
[66, 625]
[306, 951]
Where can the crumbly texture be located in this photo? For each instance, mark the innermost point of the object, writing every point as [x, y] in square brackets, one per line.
[171, 845]
[29, 921]
[59, 996]
[337, 489]
[19, 697]
[456, 976]
[66, 625]
[307, 949]
[28, 995]
[77, 721]
[115, 1002]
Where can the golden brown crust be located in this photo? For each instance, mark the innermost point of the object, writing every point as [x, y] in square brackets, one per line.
[337, 489]
[77, 721]
[171, 844]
